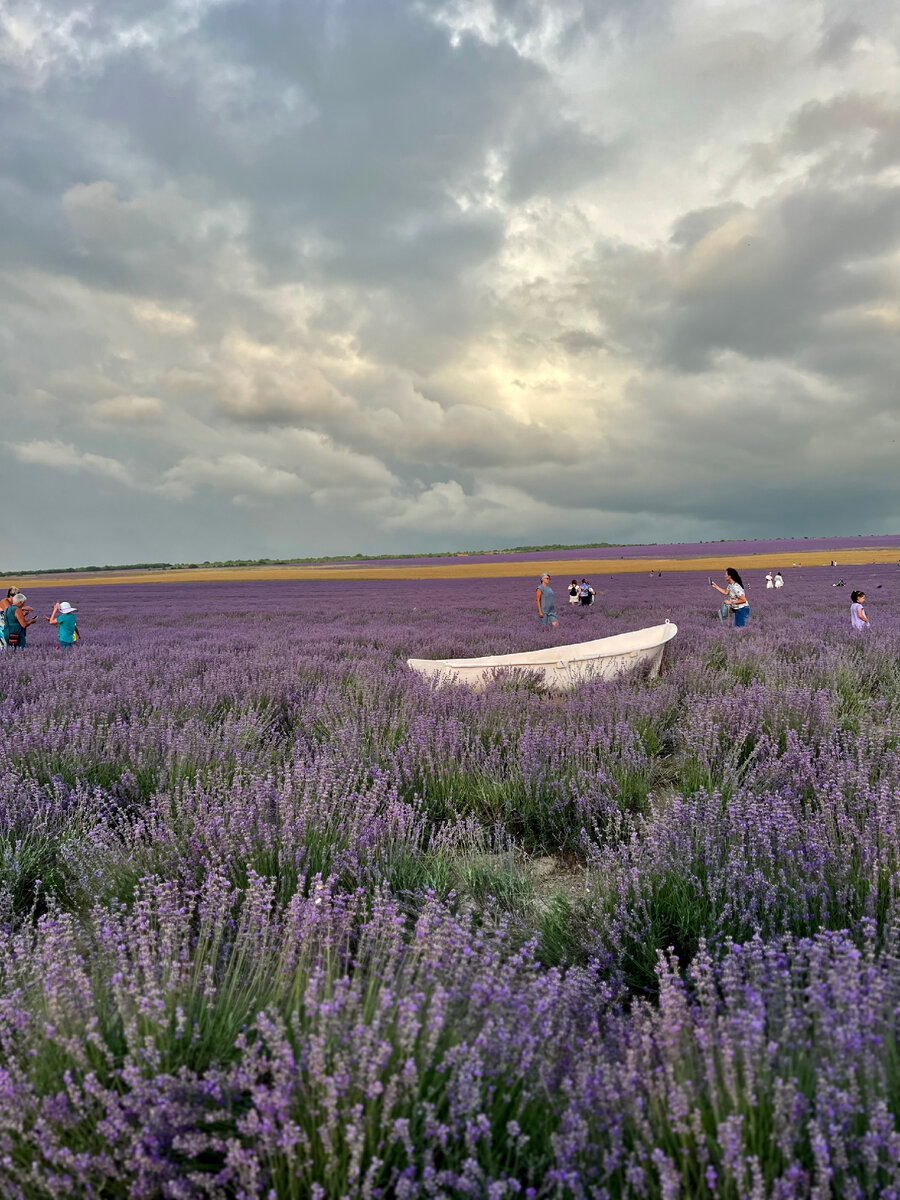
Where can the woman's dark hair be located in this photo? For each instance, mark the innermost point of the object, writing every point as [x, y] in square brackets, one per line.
[854, 596]
[574, 580]
[733, 573]
[10, 592]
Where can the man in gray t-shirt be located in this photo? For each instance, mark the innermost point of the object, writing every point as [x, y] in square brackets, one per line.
[546, 603]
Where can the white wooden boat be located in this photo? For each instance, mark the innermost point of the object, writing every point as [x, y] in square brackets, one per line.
[559, 667]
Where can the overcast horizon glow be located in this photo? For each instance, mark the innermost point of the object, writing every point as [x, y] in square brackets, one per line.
[380, 276]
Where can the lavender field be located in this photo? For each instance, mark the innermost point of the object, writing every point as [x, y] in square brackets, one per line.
[281, 920]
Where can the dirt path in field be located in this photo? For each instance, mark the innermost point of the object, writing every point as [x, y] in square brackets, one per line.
[521, 569]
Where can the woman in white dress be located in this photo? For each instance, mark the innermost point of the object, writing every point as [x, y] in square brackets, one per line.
[770, 582]
[779, 582]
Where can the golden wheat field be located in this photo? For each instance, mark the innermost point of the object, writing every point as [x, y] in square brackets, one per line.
[520, 569]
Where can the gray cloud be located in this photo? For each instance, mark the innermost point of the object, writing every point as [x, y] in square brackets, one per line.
[336, 276]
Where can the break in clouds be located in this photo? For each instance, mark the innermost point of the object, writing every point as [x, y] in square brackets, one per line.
[369, 274]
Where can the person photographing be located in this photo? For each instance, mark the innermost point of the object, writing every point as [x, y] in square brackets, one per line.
[64, 617]
[734, 595]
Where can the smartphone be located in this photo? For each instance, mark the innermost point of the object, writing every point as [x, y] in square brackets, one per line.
[709, 580]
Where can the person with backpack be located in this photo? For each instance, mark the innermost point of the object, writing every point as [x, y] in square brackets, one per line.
[16, 622]
[64, 617]
[5, 603]
[573, 592]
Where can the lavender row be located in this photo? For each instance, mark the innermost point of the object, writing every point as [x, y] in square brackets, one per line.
[209, 1043]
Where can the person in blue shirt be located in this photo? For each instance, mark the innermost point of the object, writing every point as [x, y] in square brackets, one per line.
[64, 617]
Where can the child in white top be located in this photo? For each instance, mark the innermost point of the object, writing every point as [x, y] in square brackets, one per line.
[858, 618]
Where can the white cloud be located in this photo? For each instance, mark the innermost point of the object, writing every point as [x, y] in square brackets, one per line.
[237, 474]
[164, 320]
[288, 464]
[62, 456]
[126, 409]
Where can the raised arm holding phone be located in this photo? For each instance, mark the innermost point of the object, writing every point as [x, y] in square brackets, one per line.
[64, 617]
[736, 598]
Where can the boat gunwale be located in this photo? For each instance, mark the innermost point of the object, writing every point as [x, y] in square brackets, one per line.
[480, 664]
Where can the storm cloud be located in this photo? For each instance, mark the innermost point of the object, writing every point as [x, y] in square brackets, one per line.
[283, 278]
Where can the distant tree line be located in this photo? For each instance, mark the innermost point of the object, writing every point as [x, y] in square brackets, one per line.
[291, 562]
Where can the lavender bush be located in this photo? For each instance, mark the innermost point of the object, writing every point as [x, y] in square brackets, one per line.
[280, 919]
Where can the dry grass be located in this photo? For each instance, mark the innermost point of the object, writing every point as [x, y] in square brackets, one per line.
[521, 569]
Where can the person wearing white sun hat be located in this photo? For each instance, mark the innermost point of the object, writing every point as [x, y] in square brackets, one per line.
[64, 617]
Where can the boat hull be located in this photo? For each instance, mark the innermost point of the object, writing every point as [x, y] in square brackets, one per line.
[559, 668]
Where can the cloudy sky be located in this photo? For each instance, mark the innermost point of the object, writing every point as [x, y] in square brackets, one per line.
[326, 276]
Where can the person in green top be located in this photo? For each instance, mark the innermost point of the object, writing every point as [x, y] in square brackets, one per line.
[16, 622]
[64, 617]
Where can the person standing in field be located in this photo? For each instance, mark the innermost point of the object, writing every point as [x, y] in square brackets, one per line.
[585, 594]
[736, 598]
[546, 603]
[573, 592]
[16, 622]
[770, 581]
[64, 617]
[778, 581]
[5, 603]
[858, 618]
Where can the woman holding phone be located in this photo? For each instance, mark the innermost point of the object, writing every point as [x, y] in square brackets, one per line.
[735, 596]
[17, 623]
[64, 617]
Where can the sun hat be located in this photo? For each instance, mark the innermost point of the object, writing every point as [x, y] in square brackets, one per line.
[65, 607]
[19, 598]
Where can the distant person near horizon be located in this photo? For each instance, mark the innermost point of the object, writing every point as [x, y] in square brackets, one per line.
[546, 602]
